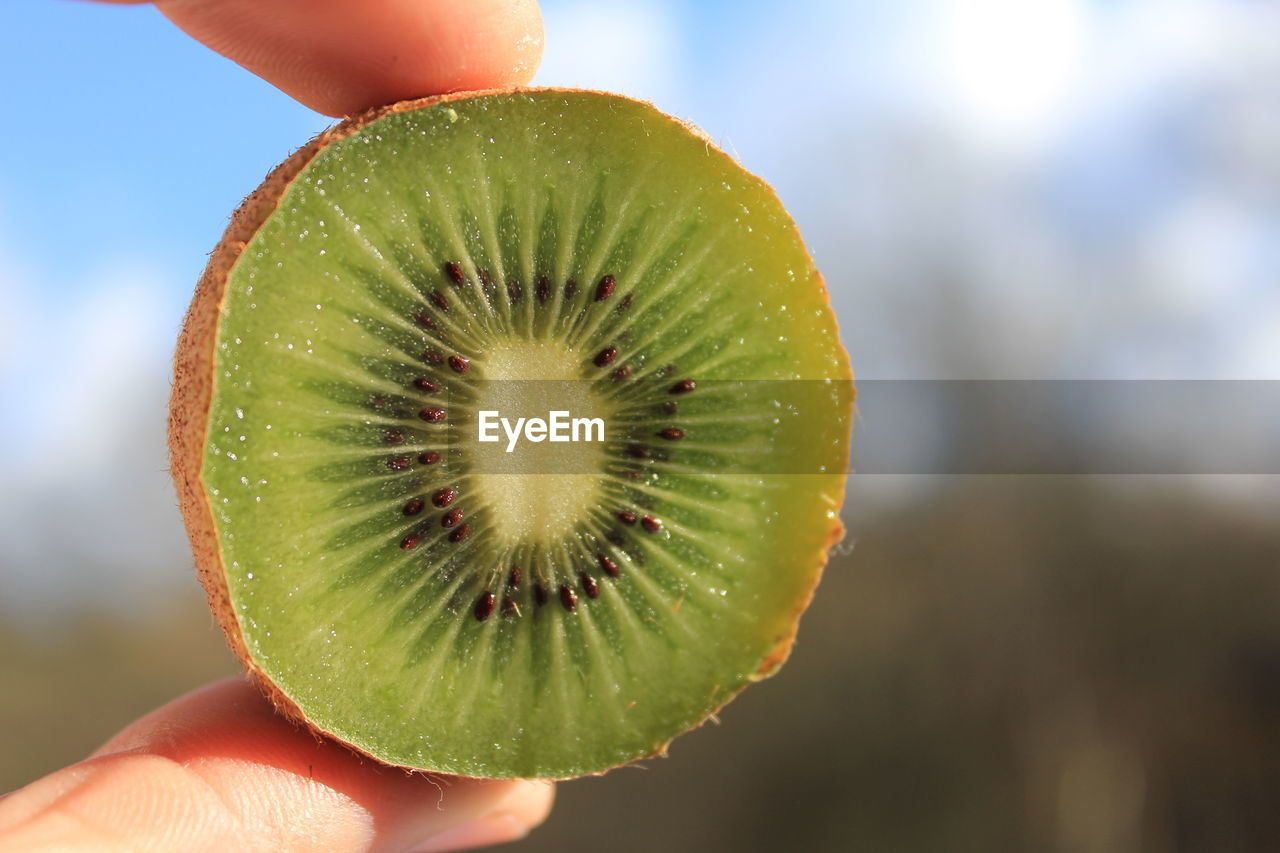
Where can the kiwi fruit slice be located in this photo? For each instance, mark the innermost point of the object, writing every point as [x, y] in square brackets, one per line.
[435, 601]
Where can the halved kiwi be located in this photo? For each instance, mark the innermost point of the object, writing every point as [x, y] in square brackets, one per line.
[430, 599]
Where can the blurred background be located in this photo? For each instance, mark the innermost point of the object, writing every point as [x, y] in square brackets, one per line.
[994, 189]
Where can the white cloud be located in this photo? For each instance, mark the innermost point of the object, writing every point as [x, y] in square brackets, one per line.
[16, 295]
[1198, 254]
[87, 511]
[78, 372]
[629, 47]
[1004, 70]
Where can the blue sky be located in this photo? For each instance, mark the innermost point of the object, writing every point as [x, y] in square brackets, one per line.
[137, 141]
[993, 188]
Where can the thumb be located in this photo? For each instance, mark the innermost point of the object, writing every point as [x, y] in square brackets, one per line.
[340, 57]
[219, 770]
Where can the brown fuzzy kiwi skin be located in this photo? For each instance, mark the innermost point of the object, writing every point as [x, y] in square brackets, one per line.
[192, 395]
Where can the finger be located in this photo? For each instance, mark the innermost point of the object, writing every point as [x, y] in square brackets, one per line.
[340, 57]
[219, 770]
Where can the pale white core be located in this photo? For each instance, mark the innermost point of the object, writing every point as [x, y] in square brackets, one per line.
[542, 490]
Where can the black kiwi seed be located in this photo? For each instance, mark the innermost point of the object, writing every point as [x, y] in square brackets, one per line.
[429, 458]
[410, 541]
[461, 533]
[424, 321]
[486, 282]
[513, 579]
[423, 384]
[605, 357]
[399, 463]
[589, 585]
[639, 451]
[609, 566]
[650, 524]
[432, 416]
[414, 506]
[672, 433]
[570, 288]
[484, 606]
[459, 363]
[626, 302]
[454, 271]
[452, 517]
[622, 372]
[684, 386]
[544, 289]
[441, 301]
[605, 288]
[568, 598]
[513, 290]
[432, 357]
[509, 607]
[539, 593]
[393, 436]
[670, 407]
[627, 517]
[444, 497]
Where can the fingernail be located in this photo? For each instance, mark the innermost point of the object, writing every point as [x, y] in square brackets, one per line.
[493, 829]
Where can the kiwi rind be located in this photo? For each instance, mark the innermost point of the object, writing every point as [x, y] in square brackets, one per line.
[194, 387]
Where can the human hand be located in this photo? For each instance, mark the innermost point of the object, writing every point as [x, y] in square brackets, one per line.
[340, 57]
[218, 769]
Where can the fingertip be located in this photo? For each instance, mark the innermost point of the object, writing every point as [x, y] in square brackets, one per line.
[268, 770]
[339, 61]
[524, 808]
[521, 28]
[530, 801]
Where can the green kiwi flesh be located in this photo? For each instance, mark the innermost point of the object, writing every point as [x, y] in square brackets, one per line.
[383, 576]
